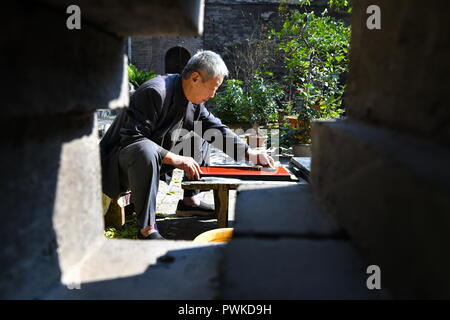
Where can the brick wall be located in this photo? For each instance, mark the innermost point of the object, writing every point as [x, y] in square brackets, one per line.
[226, 23]
[149, 53]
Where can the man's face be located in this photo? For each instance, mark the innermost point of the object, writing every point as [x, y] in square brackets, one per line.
[202, 90]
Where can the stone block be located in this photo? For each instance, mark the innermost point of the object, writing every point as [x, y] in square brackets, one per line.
[161, 270]
[294, 269]
[54, 71]
[282, 211]
[51, 203]
[391, 193]
[398, 75]
[140, 17]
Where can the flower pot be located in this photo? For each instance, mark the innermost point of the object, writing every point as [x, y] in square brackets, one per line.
[302, 150]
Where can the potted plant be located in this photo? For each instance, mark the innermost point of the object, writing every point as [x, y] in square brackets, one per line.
[298, 136]
[261, 107]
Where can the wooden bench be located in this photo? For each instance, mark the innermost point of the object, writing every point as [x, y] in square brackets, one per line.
[114, 210]
[221, 188]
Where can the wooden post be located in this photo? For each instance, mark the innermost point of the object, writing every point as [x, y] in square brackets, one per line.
[221, 205]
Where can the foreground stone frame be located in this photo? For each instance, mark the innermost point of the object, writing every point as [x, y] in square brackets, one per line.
[57, 78]
[380, 178]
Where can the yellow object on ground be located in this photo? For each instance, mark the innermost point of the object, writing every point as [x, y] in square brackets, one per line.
[215, 235]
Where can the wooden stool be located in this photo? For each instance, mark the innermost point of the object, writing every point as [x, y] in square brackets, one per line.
[114, 210]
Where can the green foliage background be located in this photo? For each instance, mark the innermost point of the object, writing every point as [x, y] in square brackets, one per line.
[312, 51]
[138, 77]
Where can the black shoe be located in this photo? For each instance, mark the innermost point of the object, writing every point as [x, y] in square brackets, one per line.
[203, 210]
[152, 236]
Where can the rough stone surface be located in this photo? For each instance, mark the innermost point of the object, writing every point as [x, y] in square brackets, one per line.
[78, 213]
[398, 75]
[148, 53]
[282, 211]
[391, 193]
[140, 17]
[50, 203]
[132, 269]
[384, 171]
[56, 70]
[294, 269]
[52, 223]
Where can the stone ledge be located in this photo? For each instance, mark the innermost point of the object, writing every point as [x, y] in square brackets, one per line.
[132, 269]
[282, 211]
[294, 269]
[140, 17]
[391, 193]
[55, 71]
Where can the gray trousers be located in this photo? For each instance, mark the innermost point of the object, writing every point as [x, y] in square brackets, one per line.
[141, 169]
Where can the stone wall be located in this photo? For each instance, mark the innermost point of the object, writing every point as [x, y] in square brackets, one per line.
[51, 181]
[226, 23]
[230, 24]
[149, 53]
[49, 194]
[383, 171]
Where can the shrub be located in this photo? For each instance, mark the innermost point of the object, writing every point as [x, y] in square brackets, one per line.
[137, 77]
[315, 50]
[254, 102]
[229, 103]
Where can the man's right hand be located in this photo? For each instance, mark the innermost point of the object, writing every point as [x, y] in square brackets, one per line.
[187, 164]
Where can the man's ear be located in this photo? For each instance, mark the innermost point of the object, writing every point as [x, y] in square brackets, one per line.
[195, 76]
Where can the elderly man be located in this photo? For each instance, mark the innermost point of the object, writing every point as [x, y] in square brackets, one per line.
[136, 150]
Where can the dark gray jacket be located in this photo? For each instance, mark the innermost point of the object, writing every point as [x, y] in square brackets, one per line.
[156, 109]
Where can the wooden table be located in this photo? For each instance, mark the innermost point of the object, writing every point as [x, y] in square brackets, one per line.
[221, 186]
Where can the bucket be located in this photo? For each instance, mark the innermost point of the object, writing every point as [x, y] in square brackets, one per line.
[215, 235]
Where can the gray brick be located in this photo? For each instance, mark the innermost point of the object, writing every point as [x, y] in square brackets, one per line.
[294, 269]
[289, 210]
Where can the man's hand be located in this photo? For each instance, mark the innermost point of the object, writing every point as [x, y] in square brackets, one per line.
[260, 158]
[187, 164]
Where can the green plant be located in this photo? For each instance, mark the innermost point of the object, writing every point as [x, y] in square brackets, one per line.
[253, 103]
[261, 104]
[229, 103]
[315, 50]
[138, 77]
[128, 231]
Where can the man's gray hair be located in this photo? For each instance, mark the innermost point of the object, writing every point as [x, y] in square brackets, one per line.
[208, 63]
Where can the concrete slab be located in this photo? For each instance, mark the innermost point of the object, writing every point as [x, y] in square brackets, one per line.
[282, 211]
[139, 17]
[391, 192]
[294, 269]
[133, 269]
